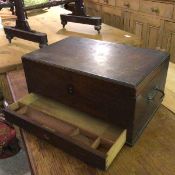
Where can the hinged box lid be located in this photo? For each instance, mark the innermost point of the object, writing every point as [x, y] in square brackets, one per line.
[116, 63]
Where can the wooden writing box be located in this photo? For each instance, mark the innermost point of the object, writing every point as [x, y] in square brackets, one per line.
[120, 86]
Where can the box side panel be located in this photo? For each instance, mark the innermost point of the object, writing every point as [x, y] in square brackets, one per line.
[148, 101]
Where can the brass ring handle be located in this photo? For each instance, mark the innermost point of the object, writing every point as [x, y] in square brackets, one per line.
[162, 92]
[151, 96]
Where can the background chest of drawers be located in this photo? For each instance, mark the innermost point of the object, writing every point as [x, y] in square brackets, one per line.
[152, 20]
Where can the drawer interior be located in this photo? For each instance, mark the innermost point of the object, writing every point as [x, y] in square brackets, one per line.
[83, 129]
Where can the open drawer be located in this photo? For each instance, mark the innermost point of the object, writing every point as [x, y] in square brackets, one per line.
[89, 139]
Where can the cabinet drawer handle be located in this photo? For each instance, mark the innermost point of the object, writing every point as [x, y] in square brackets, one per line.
[126, 4]
[152, 95]
[155, 10]
[160, 91]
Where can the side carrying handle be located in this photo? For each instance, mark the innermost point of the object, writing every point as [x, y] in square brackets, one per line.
[152, 95]
[162, 92]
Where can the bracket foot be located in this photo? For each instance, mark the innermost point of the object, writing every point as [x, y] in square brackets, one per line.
[34, 36]
[96, 21]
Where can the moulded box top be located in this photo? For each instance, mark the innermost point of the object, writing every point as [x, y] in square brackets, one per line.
[119, 63]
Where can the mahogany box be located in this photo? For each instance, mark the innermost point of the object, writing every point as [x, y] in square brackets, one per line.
[90, 97]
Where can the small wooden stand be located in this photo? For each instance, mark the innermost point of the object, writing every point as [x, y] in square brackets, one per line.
[79, 16]
[23, 30]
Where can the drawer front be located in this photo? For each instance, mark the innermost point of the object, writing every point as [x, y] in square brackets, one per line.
[108, 2]
[129, 4]
[56, 139]
[174, 13]
[156, 8]
[88, 94]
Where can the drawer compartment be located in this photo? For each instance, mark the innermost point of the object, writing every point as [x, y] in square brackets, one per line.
[129, 4]
[156, 8]
[91, 140]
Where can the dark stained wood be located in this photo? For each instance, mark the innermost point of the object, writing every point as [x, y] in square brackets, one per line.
[153, 153]
[113, 62]
[113, 82]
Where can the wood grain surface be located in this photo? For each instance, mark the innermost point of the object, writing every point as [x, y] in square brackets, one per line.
[103, 60]
[153, 153]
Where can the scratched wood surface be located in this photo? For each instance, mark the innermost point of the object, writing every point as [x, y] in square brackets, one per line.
[153, 153]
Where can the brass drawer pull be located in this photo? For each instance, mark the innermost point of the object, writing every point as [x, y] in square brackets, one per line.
[155, 10]
[160, 91]
[126, 4]
[106, 1]
[153, 94]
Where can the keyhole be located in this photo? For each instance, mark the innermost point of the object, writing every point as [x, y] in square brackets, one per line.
[70, 90]
[46, 137]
